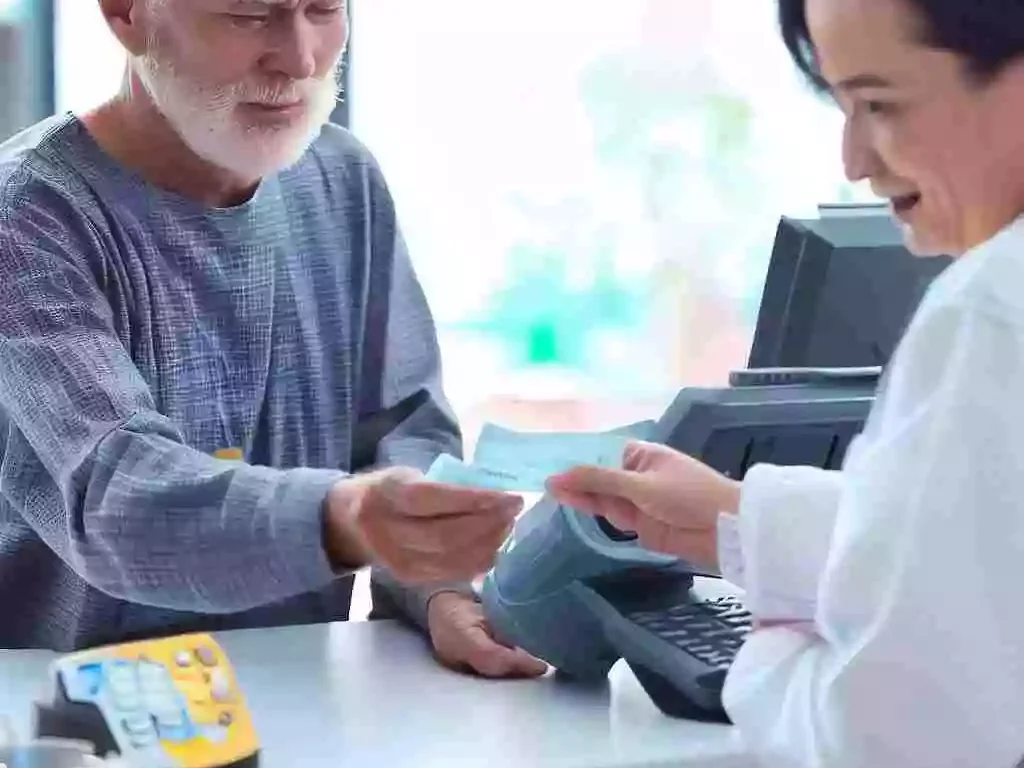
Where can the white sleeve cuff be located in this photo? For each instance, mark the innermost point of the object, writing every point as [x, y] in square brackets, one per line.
[730, 549]
[785, 527]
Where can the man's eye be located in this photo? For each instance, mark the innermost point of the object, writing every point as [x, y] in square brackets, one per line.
[248, 20]
[327, 10]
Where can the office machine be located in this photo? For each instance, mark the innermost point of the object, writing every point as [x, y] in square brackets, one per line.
[839, 292]
[165, 703]
[580, 594]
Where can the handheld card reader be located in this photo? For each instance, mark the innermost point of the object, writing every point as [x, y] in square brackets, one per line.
[167, 703]
[579, 594]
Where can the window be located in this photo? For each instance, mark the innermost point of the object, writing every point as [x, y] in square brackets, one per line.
[26, 63]
[90, 60]
[589, 188]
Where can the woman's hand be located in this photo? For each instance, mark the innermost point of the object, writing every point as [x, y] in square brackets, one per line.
[670, 500]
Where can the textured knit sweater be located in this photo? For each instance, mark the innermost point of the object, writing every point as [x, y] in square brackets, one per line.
[180, 385]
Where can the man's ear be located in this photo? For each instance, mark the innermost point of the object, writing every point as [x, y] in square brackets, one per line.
[127, 20]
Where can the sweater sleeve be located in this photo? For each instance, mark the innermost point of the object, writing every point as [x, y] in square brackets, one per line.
[106, 480]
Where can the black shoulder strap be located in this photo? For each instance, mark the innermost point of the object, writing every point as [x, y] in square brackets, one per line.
[374, 422]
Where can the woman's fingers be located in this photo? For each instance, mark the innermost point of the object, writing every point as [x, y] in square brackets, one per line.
[596, 481]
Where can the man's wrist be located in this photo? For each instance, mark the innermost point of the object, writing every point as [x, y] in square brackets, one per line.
[439, 598]
[443, 594]
[344, 545]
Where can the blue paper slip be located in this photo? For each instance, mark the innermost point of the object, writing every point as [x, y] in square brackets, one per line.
[514, 461]
[555, 452]
[448, 469]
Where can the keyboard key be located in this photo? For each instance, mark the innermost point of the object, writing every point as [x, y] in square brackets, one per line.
[140, 730]
[220, 686]
[712, 631]
[127, 701]
[169, 718]
[645, 615]
[154, 678]
[124, 686]
[91, 677]
[206, 656]
[178, 733]
[122, 677]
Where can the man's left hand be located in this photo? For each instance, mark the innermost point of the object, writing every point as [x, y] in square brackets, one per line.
[463, 640]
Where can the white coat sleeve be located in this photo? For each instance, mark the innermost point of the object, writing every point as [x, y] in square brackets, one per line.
[915, 656]
[775, 548]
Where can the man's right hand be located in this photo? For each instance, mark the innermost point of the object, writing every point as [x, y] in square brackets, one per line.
[421, 531]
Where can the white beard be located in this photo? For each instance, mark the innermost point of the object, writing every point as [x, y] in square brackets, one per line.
[207, 120]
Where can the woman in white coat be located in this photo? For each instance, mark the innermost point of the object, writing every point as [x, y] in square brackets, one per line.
[889, 596]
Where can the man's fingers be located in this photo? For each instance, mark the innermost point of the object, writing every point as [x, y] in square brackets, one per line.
[389, 480]
[491, 659]
[450, 548]
[484, 654]
[516, 663]
[465, 531]
[429, 499]
[526, 665]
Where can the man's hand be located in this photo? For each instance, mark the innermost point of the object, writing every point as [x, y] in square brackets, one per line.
[421, 531]
[463, 641]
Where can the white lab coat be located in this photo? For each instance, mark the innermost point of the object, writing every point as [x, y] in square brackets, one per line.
[907, 567]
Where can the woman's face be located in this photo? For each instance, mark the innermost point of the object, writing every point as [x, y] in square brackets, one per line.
[946, 150]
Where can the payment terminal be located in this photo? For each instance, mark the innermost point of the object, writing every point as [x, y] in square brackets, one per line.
[166, 703]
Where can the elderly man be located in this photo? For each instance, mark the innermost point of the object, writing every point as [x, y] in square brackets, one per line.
[210, 329]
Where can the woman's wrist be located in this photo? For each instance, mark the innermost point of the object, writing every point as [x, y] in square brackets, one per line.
[729, 497]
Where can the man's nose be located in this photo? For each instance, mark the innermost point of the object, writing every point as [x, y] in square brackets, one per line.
[294, 52]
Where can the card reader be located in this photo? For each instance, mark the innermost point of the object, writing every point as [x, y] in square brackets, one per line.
[579, 594]
[167, 703]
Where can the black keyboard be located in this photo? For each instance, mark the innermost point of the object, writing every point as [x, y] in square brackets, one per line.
[711, 631]
[703, 638]
[678, 642]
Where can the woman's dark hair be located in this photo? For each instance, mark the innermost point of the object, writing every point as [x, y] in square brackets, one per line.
[988, 34]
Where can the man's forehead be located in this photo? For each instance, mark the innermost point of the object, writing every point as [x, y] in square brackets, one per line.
[257, 3]
[241, 4]
[280, 3]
